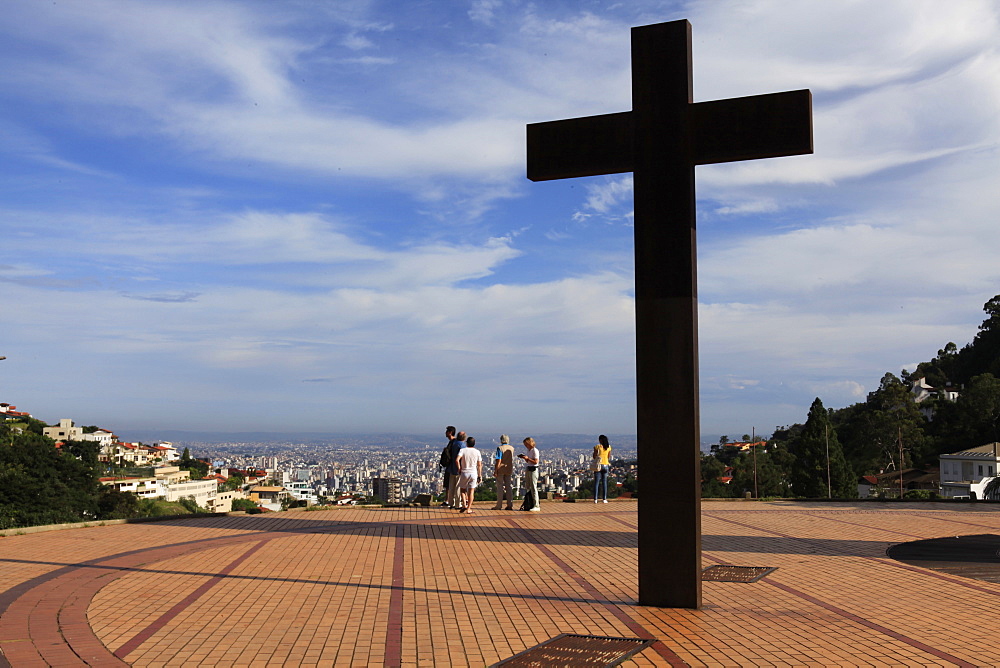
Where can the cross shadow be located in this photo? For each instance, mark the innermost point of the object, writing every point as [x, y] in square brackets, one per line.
[452, 527]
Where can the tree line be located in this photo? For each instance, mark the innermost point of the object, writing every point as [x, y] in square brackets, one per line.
[889, 431]
[42, 484]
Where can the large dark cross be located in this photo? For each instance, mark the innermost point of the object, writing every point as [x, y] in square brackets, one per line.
[660, 141]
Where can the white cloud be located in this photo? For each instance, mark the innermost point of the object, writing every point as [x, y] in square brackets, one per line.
[484, 10]
[612, 192]
[357, 42]
[817, 273]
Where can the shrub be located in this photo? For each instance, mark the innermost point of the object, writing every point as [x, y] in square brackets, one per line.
[924, 494]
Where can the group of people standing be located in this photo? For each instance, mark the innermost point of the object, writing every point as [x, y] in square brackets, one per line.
[463, 471]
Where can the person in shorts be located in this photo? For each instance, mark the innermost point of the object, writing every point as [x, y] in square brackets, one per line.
[470, 471]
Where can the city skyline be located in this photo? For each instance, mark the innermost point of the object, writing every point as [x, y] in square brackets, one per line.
[313, 217]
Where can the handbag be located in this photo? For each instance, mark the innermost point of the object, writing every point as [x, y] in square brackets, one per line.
[595, 464]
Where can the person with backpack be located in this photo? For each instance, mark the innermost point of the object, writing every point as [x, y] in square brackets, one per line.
[503, 473]
[445, 462]
[454, 448]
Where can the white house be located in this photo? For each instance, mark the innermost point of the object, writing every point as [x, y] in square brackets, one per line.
[102, 436]
[966, 473]
[922, 391]
[168, 451]
[302, 491]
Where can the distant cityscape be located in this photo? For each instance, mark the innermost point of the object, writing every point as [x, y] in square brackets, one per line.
[276, 471]
[347, 465]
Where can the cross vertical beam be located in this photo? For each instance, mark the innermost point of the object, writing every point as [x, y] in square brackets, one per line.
[660, 141]
[666, 319]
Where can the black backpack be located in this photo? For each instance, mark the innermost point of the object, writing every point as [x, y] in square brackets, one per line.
[445, 457]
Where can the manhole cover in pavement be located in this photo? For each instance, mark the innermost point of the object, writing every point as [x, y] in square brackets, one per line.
[975, 557]
[727, 573]
[570, 649]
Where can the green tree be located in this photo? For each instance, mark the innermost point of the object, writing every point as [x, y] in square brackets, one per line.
[711, 470]
[585, 490]
[197, 467]
[975, 419]
[40, 484]
[116, 505]
[772, 473]
[232, 482]
[871, 432]
[809, 471]
[983, 354]
[486, 491]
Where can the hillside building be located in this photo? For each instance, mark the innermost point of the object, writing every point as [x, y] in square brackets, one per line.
[965, 474]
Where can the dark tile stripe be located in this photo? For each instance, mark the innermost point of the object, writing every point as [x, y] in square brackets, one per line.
[912, 642]
[932, 516]
[960, 581]
[394, 624]
[634, 626]
[823, 516]
[165, 618]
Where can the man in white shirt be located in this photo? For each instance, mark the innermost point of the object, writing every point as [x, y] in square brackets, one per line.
[470, 471]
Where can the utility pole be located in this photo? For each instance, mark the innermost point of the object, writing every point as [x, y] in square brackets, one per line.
[829, 485]
[753, 448]
[899, 432]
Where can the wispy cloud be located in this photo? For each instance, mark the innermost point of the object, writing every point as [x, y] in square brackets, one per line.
[165, 298]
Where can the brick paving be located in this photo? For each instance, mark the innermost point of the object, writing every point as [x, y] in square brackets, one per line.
[429, 587]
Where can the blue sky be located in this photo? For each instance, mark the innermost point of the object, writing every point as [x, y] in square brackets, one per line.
[314, 216]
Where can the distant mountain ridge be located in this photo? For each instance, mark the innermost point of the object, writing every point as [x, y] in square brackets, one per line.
[389, 439]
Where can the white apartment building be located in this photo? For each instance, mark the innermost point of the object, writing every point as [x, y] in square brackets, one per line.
[223, 501]
[966, 473]
[103, 437]
[144, 488]
[302, 491]
[202, 491]
[172, 484]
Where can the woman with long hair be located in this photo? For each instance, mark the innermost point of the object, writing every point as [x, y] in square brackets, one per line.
[602, 464]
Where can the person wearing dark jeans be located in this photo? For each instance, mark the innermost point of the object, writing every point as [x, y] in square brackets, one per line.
[446, 458]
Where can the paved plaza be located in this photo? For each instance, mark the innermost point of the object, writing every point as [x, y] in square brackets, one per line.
[429, 587]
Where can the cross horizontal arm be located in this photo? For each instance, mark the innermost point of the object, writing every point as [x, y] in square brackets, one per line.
[750, 128]
[587, 146]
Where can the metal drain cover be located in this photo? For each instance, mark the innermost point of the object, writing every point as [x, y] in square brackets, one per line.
[570, 649]
[727, 573]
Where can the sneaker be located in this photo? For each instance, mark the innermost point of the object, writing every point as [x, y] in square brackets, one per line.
[595, 500]
[605, 500]
[536, 509]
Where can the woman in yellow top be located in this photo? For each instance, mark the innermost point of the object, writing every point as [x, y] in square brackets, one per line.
[602, 462]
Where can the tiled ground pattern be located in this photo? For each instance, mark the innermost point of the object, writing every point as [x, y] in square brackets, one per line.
[427, 587]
